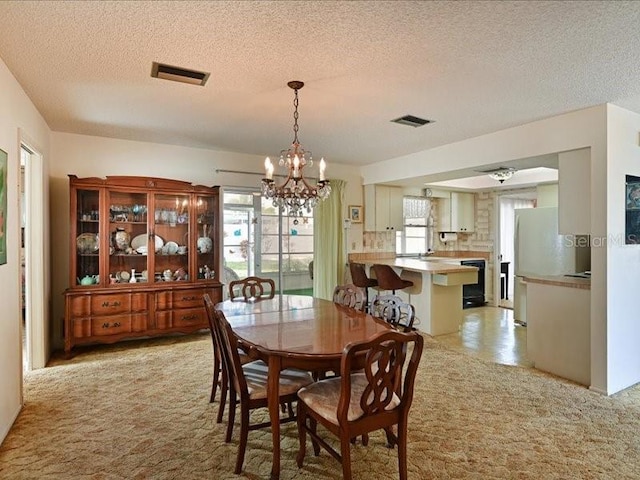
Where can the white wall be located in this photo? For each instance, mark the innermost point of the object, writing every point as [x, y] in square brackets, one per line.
[86, 156]
[18, 119]
[623, 283]
[571, 131]
[547, 195]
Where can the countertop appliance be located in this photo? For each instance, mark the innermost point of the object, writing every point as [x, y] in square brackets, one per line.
[540, 250]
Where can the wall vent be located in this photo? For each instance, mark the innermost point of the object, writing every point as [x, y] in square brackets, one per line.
[178, 74]
[412, 121]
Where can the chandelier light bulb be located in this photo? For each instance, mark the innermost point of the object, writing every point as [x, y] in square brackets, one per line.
[268, 167]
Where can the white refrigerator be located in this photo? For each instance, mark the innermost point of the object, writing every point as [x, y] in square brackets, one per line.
[540, 250]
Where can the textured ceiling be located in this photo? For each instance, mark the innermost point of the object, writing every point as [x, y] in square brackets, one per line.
[473, 67]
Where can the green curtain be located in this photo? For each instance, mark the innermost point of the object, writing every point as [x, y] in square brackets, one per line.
[328, 243]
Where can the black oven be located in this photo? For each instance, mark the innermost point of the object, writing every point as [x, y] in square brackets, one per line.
[473, 294]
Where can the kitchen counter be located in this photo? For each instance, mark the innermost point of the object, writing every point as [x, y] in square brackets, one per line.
[559, 280]
[436, 293]
[435, 258]
[558, 312]
[424, 264]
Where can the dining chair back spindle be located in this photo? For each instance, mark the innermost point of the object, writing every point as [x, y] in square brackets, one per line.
[219, 374]
[401, 315]
[349, 295]
[361, 401]
[252, 288]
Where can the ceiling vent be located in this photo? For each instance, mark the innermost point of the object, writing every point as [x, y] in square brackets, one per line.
[412, 121]
[178, 74]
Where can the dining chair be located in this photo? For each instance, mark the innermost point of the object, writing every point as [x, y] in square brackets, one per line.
[388, 279]
[252, 288]
[349, 295]
[360, 279]
[361, 401]
[394, 311]
[219, 374]
[249, 386]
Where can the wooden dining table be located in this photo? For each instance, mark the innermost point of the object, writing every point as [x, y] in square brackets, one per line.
[295, 331]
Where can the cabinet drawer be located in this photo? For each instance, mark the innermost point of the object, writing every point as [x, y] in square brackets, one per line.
[180, 299]
[118, 303]
[115, 324]
[189, 317]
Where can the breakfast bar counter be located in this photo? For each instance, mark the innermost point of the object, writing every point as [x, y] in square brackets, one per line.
[436, 293]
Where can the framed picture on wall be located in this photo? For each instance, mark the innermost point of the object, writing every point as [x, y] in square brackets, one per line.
[355, 213]
[632, 208]
[3, 207]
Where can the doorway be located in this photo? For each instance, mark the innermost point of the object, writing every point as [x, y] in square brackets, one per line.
[260, 240]
[31, 211]
[505, 274]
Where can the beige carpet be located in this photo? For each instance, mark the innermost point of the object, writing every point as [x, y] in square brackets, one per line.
[140, 411]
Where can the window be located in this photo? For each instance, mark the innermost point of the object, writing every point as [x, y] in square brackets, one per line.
[415, 236]
[297, 240]
[252, 242]
[239, 234]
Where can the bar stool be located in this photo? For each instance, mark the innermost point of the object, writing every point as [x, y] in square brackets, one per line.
[388, 279]
[360, 279]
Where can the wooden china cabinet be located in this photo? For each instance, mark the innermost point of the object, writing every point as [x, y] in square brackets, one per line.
[143, 252]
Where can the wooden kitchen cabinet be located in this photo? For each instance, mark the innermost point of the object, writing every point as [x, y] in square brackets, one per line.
[143, 252]
[457, 213]
[383, 208]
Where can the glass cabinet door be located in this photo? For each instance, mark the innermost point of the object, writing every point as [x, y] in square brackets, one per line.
[129, 238]
[171, 236]
[206, 211]
[88, 237]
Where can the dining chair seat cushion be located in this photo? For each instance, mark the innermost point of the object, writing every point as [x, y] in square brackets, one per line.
[291, 379]
[323, 397]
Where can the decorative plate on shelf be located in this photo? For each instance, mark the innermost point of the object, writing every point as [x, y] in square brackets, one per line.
[87, 243]
[141, 241]
[205, 244]
[172, 248]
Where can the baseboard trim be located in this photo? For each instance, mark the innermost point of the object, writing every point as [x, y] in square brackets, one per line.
[598, 390]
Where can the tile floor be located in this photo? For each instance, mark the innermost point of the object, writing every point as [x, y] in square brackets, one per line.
[490, 333]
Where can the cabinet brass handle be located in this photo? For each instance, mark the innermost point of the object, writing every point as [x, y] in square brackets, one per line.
[188, 318]
[111, 304]
[186, 299]
[111, 325]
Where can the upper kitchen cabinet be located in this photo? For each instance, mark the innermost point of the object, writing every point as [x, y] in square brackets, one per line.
[383, 208]
[457, 213]
[574, 192]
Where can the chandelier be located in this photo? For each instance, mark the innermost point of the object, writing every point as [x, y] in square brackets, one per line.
[502, 174]
[295, 193]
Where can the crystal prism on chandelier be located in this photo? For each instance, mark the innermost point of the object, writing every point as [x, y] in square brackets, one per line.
[295, 193]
